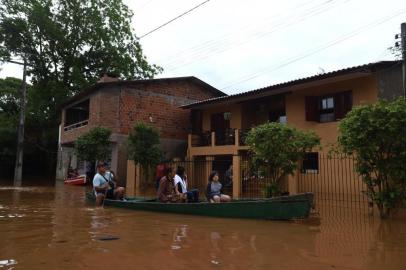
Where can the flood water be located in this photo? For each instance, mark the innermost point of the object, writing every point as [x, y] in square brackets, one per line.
[54, 228]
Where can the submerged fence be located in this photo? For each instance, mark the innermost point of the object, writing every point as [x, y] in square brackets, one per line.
[333, 180]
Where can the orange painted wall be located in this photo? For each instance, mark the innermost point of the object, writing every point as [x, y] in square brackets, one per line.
[364, 91]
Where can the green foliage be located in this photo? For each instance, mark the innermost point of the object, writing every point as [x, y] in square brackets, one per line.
[376, 135]
[67, 45]
[9, 93]
[94, 145]
[143, 146]
[277, 149]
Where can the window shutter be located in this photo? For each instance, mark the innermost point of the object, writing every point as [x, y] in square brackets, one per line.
[342, 104]
[311, 107]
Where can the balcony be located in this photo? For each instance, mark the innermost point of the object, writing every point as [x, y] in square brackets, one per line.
[76, 125]
[217, 143]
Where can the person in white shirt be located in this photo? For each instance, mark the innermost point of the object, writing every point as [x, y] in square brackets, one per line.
[181, 187]
[104, 185]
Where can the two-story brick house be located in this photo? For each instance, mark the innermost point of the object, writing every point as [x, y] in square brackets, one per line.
[117, 105]
[313, 103]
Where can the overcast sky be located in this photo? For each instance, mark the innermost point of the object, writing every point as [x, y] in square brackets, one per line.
[238, 45]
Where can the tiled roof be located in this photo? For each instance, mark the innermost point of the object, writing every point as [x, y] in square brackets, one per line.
[86, 92]
[371, 67]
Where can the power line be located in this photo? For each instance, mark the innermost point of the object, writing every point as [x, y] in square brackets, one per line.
[213, 49]
[317, 50]
[177, 17]
[208, 44]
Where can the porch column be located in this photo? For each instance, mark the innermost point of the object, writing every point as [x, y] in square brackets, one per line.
[130, 185]
[208, 169]
[236, 177]
[236, 137]
[213, 139]
[189, 141]
[137, 180]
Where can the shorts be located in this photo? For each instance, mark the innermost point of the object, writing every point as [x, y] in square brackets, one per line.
[109, 193]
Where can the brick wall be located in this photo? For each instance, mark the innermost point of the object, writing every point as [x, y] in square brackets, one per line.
[119, 107]
[160, 103]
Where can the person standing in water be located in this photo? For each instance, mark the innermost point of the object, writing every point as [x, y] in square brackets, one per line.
[101, 186]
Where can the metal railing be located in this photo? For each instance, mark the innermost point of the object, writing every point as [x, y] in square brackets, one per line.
[76, 125]
[218, 138]
[334, 181]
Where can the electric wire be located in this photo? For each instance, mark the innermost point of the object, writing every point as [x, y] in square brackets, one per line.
[213, 41]
[214, 49]
[174, 19]
[316, 50]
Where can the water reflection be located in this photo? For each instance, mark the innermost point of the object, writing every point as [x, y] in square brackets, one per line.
[179, 235]
[53, 228]
[5, 263]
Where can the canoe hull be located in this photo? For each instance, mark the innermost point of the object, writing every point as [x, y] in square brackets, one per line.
[76, 181]
[281, 208]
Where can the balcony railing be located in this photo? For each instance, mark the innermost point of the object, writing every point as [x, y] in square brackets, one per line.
[228, 137]
[202, 139]
[76, 125]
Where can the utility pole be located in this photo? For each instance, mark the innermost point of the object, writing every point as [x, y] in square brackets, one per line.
[20, 141]
[403, 48]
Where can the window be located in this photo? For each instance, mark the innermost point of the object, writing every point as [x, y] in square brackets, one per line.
[328, 108]
[310, 163]
[283, 119]
[277, 116]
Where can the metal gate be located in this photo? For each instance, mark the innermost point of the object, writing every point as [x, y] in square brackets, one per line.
[334, 182]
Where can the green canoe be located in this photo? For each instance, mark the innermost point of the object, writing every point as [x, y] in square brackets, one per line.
[278, 208]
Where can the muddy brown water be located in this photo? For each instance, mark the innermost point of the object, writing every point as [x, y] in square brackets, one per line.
[54, 228]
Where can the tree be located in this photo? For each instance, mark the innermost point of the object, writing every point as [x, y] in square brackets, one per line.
[9, 89]
[143, 146]
[376, 135]
[94, 145]
[278, 148]
[68, 45]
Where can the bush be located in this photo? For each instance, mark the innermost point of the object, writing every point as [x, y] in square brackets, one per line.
[277, 148]
[376, 135]
[143, 146]
[94, 145]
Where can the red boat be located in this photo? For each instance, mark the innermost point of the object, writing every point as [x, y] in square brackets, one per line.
[77, 181]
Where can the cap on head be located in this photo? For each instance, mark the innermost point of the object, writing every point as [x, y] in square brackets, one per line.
[102, 164]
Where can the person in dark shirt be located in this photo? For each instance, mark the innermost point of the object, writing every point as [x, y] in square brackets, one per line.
[159, 173]
[166, 191]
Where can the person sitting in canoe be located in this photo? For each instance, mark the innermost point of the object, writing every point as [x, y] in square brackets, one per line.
[72, 173]
[119, 191]
[166, 190]
[101, 186]
[214, 187]
[191, 195]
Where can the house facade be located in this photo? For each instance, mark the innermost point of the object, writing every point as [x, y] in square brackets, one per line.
[118, 105]
[314, 103]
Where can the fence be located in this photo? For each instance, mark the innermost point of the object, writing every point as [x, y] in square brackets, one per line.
[333, 180]
[197, 171]
[255, 183]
